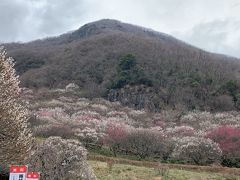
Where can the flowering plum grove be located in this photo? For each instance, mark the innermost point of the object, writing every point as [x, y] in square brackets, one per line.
[189, 137]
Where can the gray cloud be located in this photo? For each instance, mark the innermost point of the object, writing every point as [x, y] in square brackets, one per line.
[56, 15]
[12, 19]
[212, 25]
[220, 36]
[24, 20]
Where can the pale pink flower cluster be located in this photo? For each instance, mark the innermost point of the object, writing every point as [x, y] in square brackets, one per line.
[86, 124]
[52, 115]
[180, 131]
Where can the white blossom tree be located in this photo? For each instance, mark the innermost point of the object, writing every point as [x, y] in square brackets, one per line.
[88, 136]
[59, 159]
[15, 137]
[196, 150]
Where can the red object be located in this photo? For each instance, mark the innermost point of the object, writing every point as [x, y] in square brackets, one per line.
[228, 139]
[33, 175]
[18, 169]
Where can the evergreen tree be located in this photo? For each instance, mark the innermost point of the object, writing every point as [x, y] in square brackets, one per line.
[129, 73]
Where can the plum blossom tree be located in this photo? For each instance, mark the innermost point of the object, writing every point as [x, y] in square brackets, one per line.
[15, 137]
[59, 159]
[228, 139]
[196, 150]
[88, 136]
[115, 135]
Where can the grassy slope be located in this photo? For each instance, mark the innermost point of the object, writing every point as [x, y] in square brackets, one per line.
[154, 164]
[129, 172]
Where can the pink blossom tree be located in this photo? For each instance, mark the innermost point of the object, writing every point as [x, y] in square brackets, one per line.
[228, 138]
[115, 135]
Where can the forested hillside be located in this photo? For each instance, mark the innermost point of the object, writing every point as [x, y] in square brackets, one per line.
[139, 67]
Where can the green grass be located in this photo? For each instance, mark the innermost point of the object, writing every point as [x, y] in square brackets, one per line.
[129, 172]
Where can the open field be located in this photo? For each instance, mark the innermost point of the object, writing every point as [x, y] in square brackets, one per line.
[129, 172]
[150, 164]
[120, 169]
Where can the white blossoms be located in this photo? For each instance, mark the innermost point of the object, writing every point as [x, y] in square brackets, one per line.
[196, 150]
[13, 117]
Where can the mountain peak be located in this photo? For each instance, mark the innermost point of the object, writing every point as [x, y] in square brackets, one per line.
[165, 73]
[106, 22]
[109, 26]
[104, 26]
[97, 27]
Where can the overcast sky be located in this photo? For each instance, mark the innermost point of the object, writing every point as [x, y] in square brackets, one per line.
[213, 25]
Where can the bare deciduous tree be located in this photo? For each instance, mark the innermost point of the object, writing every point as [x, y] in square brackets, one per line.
[145, 143]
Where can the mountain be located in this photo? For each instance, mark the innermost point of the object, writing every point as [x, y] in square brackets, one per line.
[137, 66]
